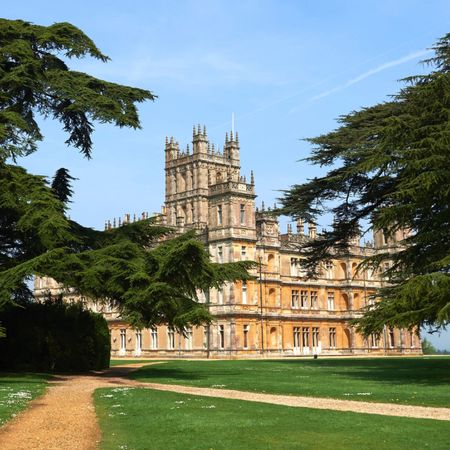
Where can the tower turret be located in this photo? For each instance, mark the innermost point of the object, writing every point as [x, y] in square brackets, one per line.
[231, 149]
[200, 141]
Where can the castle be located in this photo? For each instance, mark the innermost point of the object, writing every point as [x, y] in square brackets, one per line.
[281, 312]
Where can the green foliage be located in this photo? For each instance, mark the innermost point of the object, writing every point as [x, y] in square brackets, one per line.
[53, 336]
[34, 79]
[428, 348]
[390, 165]
[149, 281]
[61, 185]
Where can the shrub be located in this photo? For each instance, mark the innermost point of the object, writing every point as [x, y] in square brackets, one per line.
[53, 336]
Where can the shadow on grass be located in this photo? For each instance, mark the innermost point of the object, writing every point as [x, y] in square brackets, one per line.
[427, 372]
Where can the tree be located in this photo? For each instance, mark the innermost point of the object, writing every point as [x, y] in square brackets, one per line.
[389, 165]
[149, 281]
[428, 348]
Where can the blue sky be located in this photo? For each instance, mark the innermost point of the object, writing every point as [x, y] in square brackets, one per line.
[287, 69]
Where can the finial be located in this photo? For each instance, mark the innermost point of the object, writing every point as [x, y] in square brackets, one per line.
[120, 221]
[187, 149]
[114, 222]
[289, 228]
[231, 135]
[209, 147]
[199, 130]
[237, 137]
[109, 224]
[106, 225]
[262, 205]
[193, 131]
[171, 139]
[134, 217]
[212, 148]
[204, 130]
[226, 137]
[167, 140]
[252, 178]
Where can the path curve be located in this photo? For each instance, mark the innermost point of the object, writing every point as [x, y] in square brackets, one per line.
[64, 417]
[385, 409]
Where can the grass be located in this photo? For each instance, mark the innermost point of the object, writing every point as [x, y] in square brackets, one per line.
[414, 381]
[16, 390]
[147, 419]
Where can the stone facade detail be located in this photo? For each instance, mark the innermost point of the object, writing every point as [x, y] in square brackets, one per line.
[281, 312]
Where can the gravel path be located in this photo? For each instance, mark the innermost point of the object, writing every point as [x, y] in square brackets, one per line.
[64, 418]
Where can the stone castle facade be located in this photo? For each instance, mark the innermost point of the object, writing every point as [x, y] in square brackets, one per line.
[281, 312]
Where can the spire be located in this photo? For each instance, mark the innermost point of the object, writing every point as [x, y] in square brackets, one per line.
[252, 178]
[226, 137]
[237, 137]
[199, 130]
[193, 131]
[167, 140]
[204, 130]
[231, 135]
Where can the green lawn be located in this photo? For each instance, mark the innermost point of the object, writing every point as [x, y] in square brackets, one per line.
[147, 419]
[16, 390]
[415, 381]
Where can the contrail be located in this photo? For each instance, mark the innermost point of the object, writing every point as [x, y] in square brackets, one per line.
[371, 72]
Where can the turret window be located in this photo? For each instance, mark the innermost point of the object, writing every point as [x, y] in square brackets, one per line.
[244, 292]
[242, 214]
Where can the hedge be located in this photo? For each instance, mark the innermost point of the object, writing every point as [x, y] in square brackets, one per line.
[53, 337]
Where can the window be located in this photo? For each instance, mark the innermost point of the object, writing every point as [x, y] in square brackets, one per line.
[411, 337]
[314, 300]
[246, 330]
[294, 267]
[329, 269]
[170, 338]
[220, 296]
[123, 340]
[219, 215]
[244, 292]
[374, 340]
[205, 337]
[330, 301]
[154, 338]
[242, 214]
[305, 337]
[294, 298]
[138, 342]
[220, 254]
[243, 252]
[315, 337]
[332, 336]
[221, 336]
[391, 338]
[188, 339]
[296, 337]
[304, 299]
